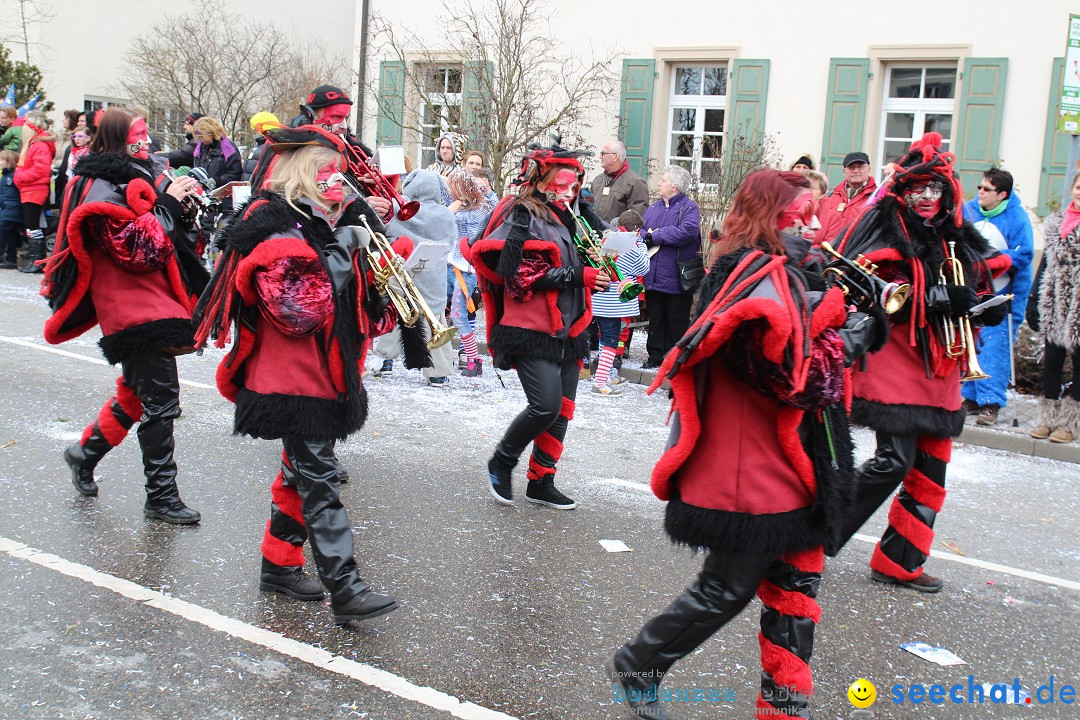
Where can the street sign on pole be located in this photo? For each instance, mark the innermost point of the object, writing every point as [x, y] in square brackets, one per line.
[1069, 114]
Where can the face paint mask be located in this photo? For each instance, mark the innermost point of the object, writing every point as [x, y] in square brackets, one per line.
[330, 183]
[924, 198]
[563, 189]
[799, 218]
[334, 119]
[137, 142]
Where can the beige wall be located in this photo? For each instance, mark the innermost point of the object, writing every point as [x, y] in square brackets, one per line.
[82, 47]
[799, 38]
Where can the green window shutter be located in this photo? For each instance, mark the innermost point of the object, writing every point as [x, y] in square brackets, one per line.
[1055, 147]
[635, 111]
[978, 127]
[389, 130]
[845, 114]
[475, 97]
[748, 90]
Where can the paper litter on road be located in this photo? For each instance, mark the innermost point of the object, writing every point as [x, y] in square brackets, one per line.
[614, 546]
[937, 655]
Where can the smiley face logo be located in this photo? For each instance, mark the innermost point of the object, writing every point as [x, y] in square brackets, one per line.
[862, 693]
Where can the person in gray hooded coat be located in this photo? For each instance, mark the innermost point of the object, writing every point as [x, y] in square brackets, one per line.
[433, 223]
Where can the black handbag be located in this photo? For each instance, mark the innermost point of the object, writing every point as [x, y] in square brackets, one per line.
[690, 273]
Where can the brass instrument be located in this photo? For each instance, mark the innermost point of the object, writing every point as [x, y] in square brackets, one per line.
[861, 285]
[361, 167]
[393, 280]
[956, 334]
[586, 240]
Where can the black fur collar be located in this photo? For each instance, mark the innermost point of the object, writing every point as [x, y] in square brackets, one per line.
[276, 216]
[117, 169]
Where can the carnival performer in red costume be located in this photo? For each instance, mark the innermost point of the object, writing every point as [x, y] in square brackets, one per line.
[909, 393]
[296, 293]
[758, 383]
[537, 291]
[116, 264]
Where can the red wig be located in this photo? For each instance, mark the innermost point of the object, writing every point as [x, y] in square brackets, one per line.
[752, 221]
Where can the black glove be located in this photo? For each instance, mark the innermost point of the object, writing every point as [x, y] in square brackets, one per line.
[991, 316]
[861, 334]
[961, 299]
[648, 239]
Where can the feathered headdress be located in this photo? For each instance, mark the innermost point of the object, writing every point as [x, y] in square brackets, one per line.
[925, 161]
[538, 159]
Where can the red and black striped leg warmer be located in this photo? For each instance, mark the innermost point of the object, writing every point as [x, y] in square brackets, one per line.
[905, 545]
[788, 618]
[283, 539]
[548, 446]
[115, 418]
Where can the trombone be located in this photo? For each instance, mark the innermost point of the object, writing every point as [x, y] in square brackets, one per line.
[393, 280]
[956, 334]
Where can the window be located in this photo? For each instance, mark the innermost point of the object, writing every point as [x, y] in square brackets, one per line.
[696, 107]
[918, 100]
[93, 103]
[440, 108]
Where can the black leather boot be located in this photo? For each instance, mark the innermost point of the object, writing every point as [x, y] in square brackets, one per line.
[83, 458]
[365, 606]
[289, 580]
[36, 245]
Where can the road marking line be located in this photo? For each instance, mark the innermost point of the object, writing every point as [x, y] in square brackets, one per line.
[985, 565]
[276, 642]
[87, 358]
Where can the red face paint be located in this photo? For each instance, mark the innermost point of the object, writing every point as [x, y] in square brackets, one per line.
[329, 181]
[138, 142]
[564, 188]
[800, 216]
[333, 117]
[924, 198]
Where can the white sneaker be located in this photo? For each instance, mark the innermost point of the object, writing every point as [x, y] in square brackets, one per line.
[616, 380]
[607, 390]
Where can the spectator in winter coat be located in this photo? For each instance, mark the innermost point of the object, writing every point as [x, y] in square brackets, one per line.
[11, 218]
[33, 177]
[449, 153]
[80, 146]
[215, 153]
[185, 155]
[848, 200]
[998, 213]
[673, 229]
[69, 123]
[12, 133]
[618, 188]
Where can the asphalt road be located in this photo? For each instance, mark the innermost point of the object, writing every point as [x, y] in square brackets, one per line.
[104, 614]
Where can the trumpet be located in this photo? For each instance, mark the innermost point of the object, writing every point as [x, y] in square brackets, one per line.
[392, 279]
[587, 240]
[956, 334]
[361, 166]
[860, 283]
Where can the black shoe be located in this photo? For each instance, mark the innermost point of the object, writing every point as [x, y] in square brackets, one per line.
[499, 483]
[173, 511]
[616, 364]
[544, 492]
[924, 583]
[82, 477]
[651, 710]
[8, 265]
[364, 606]
[970, 407]
[342, 475]
[292, 582]
[386, 369]
[651, 364]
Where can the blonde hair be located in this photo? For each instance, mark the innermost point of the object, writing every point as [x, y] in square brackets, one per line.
[293, 175]
[39, 121]
[820, 180]
[210, 125]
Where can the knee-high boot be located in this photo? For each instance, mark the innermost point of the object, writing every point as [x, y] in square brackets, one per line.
[36, 245]
[905, 545]
[110, 428]
[788, 618]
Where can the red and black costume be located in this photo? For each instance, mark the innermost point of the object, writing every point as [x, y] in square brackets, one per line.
[758, 383]
[909, 392]
[300, 302]
[116, 263]
[537, 291]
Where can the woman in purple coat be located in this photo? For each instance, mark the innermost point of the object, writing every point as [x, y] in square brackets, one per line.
[672, 230]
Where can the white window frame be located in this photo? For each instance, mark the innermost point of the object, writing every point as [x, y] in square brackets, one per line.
[445, 100]
[919, 107]
[699, 103]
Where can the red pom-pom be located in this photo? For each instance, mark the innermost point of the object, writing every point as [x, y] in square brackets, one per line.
[140, 196]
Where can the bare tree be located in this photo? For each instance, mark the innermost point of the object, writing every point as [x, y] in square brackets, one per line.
[517, 79]
[28, 13]
[229, 67]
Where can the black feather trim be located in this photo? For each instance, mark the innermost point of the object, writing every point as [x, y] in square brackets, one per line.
[907, 419]
[414, 347]
[742, 533]
[154, 335]
[270, 417]
[117, 169]
[507, 340]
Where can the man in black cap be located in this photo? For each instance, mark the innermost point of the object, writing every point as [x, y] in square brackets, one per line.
[846, 203]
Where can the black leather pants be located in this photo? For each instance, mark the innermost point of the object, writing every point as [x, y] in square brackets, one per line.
[152, 376]
[545, 383]
[327, 526]
[878, 478]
